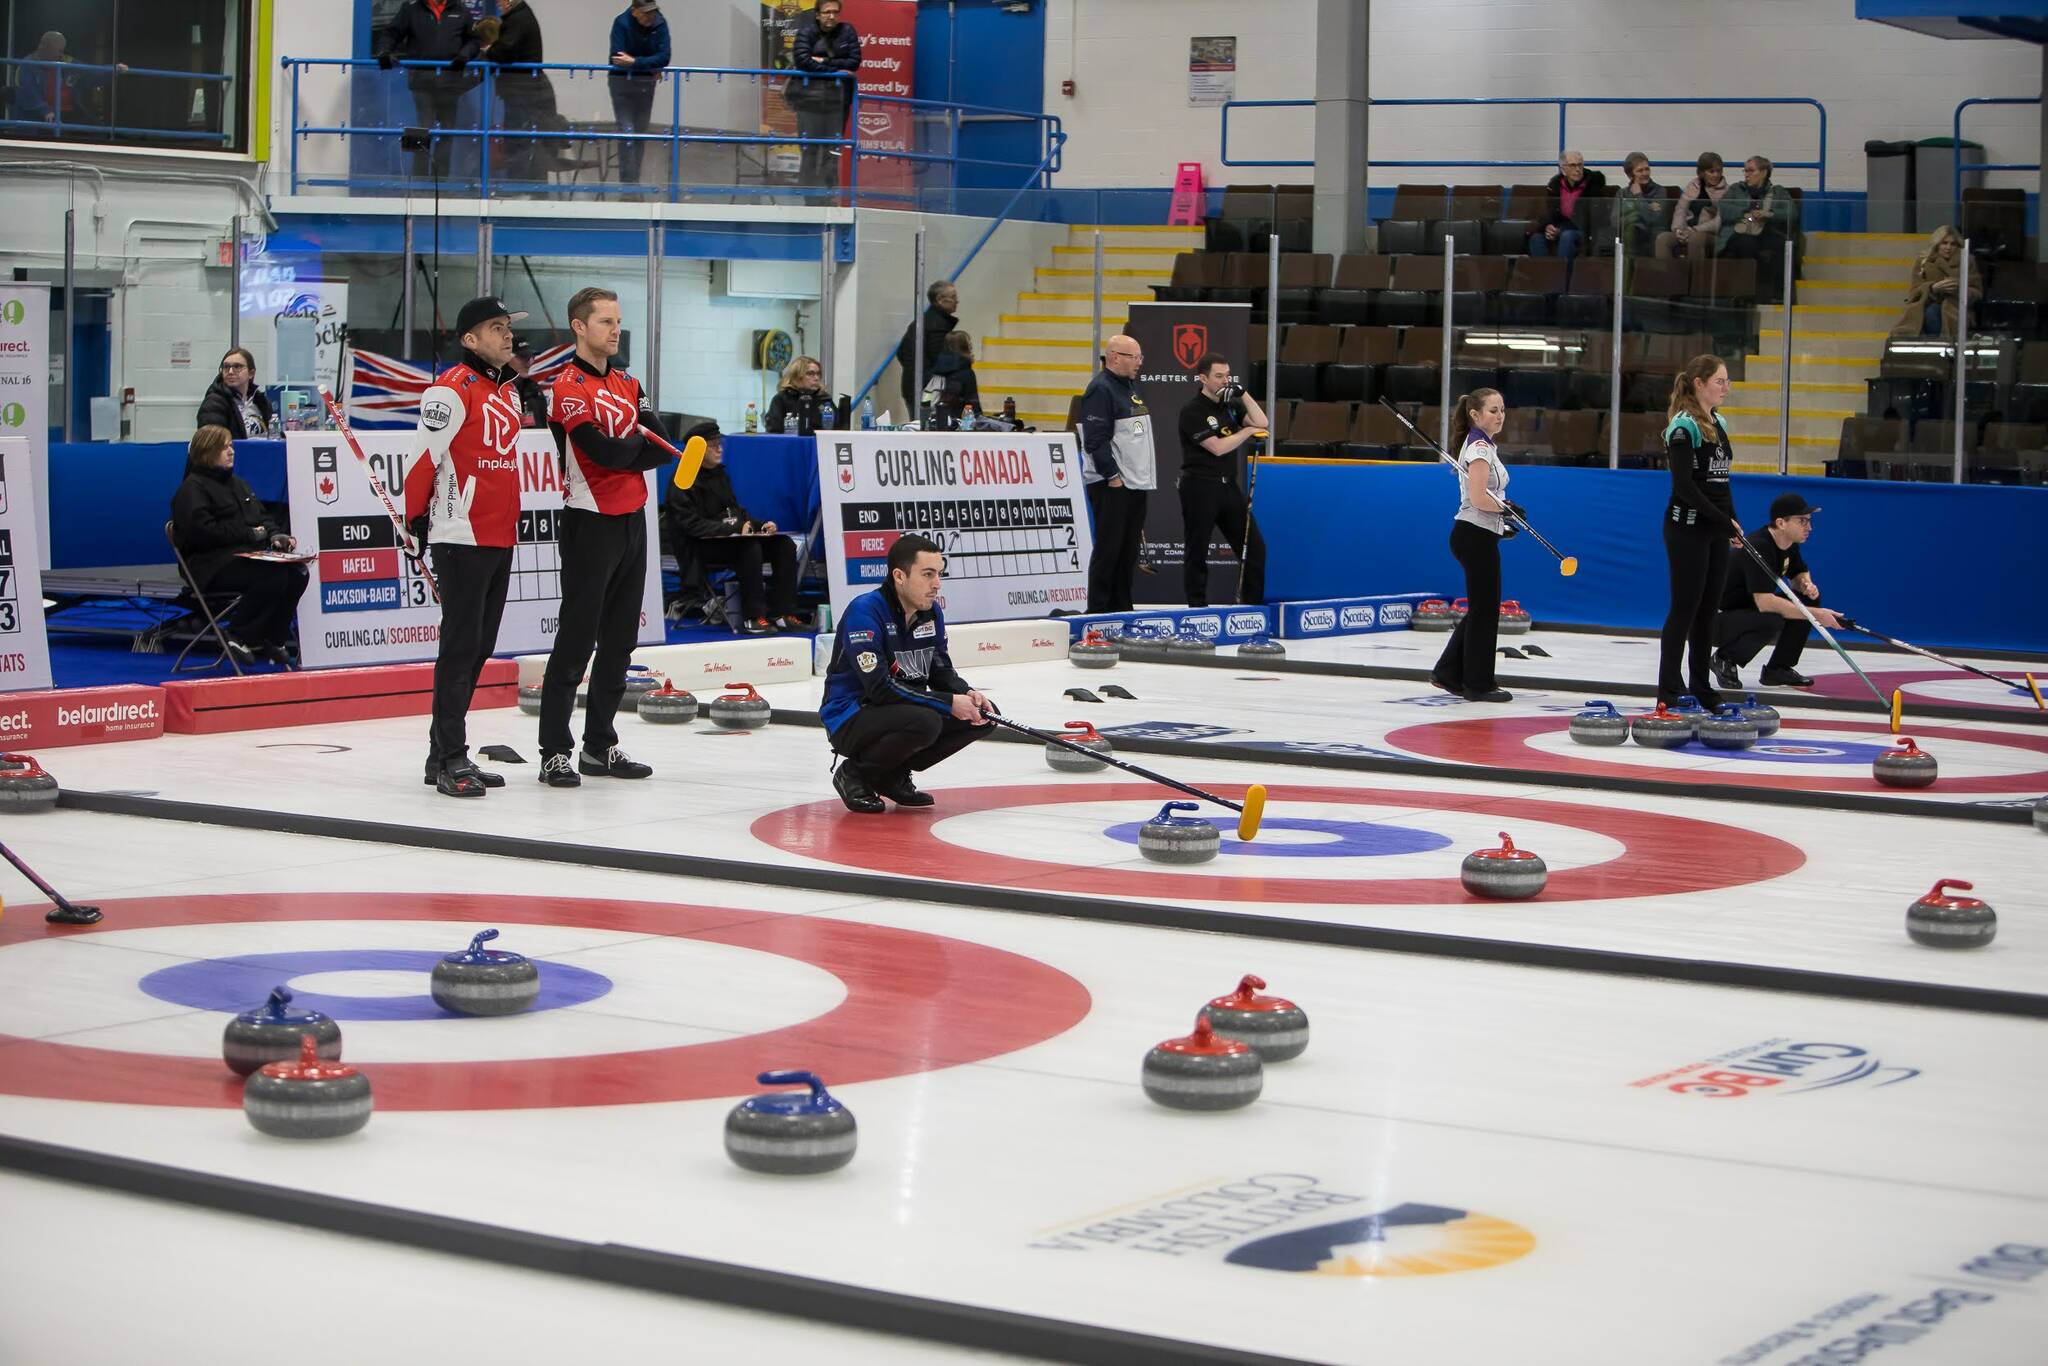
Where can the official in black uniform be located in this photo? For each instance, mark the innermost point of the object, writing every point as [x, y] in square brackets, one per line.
[1699, 523]
[1221, 417]
[1755, 614]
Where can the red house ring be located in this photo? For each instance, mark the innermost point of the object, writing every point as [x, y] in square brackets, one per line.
[1848, 685]
[914, 1002]
[1502, 742]
[1662, 855]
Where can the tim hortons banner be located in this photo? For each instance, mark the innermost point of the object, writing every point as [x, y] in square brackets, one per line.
[1173, 337]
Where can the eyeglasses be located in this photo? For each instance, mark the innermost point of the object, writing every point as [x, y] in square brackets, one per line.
[1128, 355]
[233, 365]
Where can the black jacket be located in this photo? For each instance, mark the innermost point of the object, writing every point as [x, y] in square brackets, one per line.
[961, 389]
[1553, 204]
[937, 360]
[806, 405]
[214, 514]
[416, 35]
[708, 507]
[219, 409]
[518, 37]
[815, 50]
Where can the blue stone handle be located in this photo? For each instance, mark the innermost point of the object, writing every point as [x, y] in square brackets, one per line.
[787, 1078]
[483, 937]
[1166, 811]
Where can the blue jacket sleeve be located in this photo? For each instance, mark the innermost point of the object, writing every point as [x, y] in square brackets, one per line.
[622, 36]
[658, 58]
[1098, 429]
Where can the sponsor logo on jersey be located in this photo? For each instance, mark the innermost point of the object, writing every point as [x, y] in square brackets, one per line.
[860, 637]
[567, 408]
[866, 661]
[924, 629]
[614, 414]
[435, 414]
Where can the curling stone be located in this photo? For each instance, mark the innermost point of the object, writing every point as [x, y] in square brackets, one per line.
[1689, 706]
[1600, 724]
[1191, 645]
[640, 681]
[1262, 647]
[1661, 729]
[1060, 759]
[1094, 651]
[1460, 607]
[1763, 715]
[529, 698]
[271, 1033]
[1168, 838]
[1941, 921]
[1514, 618]
[24, 786]
[1277, 1030]
[481, 981]
[1504, 874]
[1433, 614]
[1907, 766]
[740, 709]
[668, 705]
[791, 1133]
[1726, 728]
[307, 1097]
[1204, 1071]
[1149, 644]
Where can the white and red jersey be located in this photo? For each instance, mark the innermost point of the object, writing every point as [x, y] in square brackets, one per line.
[614, 402]
[469, 482]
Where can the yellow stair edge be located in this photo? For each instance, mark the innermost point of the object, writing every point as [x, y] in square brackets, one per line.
[1108, 296]
[1040, 390]
[1039, 341]
[1906, 261]
[1835, 335]
[1040, 319]
[1186, 229]
[1751, 467]
[1798, 386]
[1135, 272]
[1847, 284]
[1797, 309]
[1801, 358]
[1089, 250]
[1035, 366]
[1867, 237]
[1826, 414]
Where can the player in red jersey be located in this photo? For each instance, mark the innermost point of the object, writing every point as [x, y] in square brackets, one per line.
[466, 492]
[596, 411]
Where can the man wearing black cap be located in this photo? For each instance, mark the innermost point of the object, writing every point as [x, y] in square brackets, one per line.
[465, 490]
[1754, 613]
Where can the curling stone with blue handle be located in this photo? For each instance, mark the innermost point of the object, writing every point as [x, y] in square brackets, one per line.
[1168, 838]
[271, 1032]
[481, 981]
[1763, 715]
[640, 681]
[791, 1133]
[1600, 724]
[1725, 728]
[1262, 647]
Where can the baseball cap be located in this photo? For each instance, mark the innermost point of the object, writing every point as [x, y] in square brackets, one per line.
[1791, 505]
[477, 312]
[642, 6]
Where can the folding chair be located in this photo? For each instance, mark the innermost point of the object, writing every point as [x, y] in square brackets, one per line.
[212, 606]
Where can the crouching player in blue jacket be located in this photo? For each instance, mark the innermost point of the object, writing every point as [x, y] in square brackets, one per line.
[893, 704]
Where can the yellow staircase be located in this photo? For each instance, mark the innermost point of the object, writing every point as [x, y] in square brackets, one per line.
[1043, 351]
[1853, 285]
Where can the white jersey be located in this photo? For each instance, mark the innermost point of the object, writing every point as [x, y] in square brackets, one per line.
[1479, 448]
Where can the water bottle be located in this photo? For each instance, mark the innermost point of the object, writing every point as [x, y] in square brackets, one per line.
[824, 617]
[967, 417]
[867, 414]
[1010, 411]
[825, 422]
[753, 423]
[789, 424]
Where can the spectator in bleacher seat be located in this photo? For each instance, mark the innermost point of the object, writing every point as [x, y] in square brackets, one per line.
[1466, 665]
[1562, 229]
[1931, 309]
[216, 518]
[234, 400]
[1755, 614]
[824, 43]
[801, 406]
[941, 316]
[1119, 467]
[432, 31]
[1696, 221]
[1756, 224]
[711, 525]
[1643, 211]
[1218, 418]
[639, 51]
[1698, 521]
[958, 388]
[533, 399]
[528, 96]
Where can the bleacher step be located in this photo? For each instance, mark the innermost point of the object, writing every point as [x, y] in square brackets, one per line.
[1157, 237]
[1886, 295]
[1865, 245]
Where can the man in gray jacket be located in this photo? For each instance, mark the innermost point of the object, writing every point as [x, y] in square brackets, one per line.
[1116, 437]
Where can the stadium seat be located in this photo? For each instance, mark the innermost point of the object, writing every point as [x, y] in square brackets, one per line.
[1349, 297]
[1354, 377]
[1316, 429]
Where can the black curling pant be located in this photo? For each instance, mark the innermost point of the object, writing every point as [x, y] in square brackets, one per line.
[1119, 535]
[473, 580]
[886, 739]
[270, 597]
[1466, 664]
[1741, 634]
[746, 556]
[1208, 503]
[1698, 557]
[604, 576]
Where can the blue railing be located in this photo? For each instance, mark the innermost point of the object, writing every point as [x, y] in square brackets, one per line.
[1563, 103]
[1957, 197]
[677, 136]
[27, 71]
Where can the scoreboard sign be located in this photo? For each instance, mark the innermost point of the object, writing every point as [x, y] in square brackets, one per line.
[1006, 508]
[24, 645]
[368, 605]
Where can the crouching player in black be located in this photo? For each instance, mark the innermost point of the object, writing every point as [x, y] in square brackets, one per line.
[893, 704]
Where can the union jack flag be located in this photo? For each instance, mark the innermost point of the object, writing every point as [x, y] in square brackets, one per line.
[384, 392]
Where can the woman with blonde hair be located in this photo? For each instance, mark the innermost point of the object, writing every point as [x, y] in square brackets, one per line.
[801, 400]
[1466, 665]
[1931, 309]
[1698, 521]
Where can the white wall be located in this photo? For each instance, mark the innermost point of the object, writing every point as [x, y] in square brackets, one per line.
[1130, 121]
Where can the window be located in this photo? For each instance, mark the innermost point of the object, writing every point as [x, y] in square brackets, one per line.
[153, 73]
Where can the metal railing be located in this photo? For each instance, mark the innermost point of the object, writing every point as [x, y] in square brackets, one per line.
[1563, 104]
[1956, 196]
[861, 147]
[27, 72]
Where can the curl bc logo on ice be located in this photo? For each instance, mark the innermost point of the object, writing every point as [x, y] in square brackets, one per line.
[1779, 1063]
[1357, 618]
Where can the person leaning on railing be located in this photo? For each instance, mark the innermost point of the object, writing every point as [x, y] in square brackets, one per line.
[423, 31]
[639, 51]
[825, 43]
[528, 96]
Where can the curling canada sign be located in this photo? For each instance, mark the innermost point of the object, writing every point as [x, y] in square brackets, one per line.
[1779, 1067]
